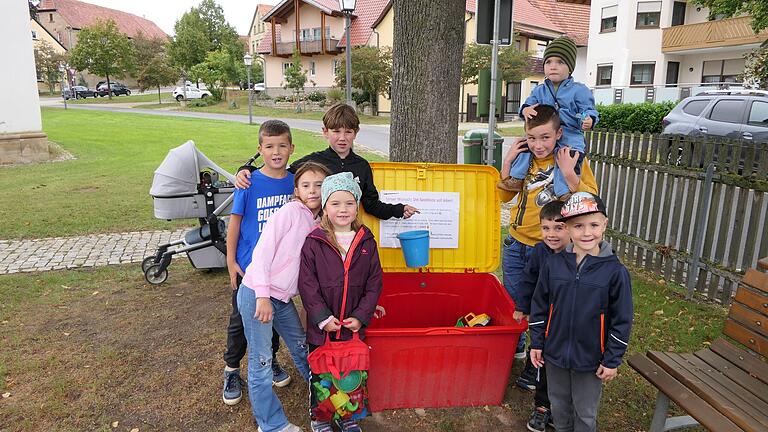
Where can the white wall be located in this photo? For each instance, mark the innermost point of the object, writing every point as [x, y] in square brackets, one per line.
[580, 73]
[20, 109]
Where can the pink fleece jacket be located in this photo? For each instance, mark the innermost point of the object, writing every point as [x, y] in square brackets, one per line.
[274, 269]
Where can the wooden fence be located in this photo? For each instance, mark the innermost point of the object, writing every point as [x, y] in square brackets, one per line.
[679, 204]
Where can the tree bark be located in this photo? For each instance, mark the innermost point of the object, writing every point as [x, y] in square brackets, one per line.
[426, 75]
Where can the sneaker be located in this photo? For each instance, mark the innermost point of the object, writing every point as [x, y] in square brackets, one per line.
[280, 377]
[290, 427]
[540, 418]
[321, 426]
[233, 387]
[527, 378]
[349, 426]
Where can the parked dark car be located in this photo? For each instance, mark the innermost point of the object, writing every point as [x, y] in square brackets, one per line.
[730, 114]
[117, 89]
[83, 92]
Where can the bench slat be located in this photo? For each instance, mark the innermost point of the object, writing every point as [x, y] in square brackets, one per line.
[682, 396]
[747, 362]
[715, 394]
[746, 337]
[756, 279]
[741, 378]
[752, 299]
[749, 318]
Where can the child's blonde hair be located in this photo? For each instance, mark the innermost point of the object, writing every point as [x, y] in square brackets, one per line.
[327, 226]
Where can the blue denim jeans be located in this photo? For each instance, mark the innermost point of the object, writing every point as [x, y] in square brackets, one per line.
[265, 405]
[514, 258]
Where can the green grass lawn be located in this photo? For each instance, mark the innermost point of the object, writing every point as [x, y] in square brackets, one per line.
[148, 97]
[106, 188]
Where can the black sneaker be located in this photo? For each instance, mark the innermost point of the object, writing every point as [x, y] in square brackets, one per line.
[233, 387]
[540, 418]
[280, 377]
[527, 378]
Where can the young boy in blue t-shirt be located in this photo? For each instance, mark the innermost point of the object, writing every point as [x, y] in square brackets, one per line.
[271, 187]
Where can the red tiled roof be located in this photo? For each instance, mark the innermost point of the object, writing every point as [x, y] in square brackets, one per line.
[366, 13]
[263, 9]
[471, 6]
[525, 13]
[572, 18]
[265, 45]
[79, 14]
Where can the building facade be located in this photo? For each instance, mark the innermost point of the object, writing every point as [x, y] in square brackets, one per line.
[663, 50]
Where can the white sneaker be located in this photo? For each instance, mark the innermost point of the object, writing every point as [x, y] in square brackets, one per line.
[290, 427]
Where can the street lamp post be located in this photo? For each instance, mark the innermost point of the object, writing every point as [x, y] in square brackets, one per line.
[248, 60]
[348, 7]
[62, 70]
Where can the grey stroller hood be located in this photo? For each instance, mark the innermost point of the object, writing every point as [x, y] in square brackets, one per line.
[179, 174]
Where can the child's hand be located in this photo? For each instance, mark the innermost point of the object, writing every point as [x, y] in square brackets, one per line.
[536, 359]
[530, 111]
[243, 179]
[332, 326]
[380, 312]
[565, 161]
[518, 146]
[263, 309]
[234, 270]
[586, 124]
[519, 316]
[606, 374]
[353, 324]
[409, 211]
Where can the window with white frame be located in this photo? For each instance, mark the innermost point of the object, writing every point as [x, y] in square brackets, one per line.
[335, 69]
[648, 14]
[312, 68]
[642, 73]
[540, 47]
[305, 35]
[608, 19]
[316, 33]
[604, 75]
[285, 67]
[34, 34]
[722, 71]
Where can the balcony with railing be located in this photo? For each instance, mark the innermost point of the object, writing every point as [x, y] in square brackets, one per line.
[308, 47]
[731, 32]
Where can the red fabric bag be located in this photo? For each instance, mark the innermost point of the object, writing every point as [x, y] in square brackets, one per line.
[340, 358]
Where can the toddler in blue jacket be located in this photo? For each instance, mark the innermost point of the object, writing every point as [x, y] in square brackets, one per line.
[581, 316]
[574, 104]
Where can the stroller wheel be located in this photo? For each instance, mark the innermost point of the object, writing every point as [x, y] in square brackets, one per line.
[147, 262]
[154, 275]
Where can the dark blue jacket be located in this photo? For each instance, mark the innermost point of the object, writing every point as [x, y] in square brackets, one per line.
[581, 316]
[527, 284]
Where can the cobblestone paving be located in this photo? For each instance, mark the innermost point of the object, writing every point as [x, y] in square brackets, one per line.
[86, 251]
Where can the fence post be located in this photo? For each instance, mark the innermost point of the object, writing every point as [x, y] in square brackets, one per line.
[700, 231]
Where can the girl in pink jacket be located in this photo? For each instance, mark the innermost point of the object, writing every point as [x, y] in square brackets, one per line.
[271, 282]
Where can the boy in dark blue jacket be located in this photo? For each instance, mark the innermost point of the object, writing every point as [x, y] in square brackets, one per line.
[554, 239]
[581, 316]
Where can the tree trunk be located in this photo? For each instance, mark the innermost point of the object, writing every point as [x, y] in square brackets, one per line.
[426, 75]
[159, 101]
[109, 88]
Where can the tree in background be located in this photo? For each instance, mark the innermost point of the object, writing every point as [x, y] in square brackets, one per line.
[103, 50]
[47, 62]
[158, 72]
[514, 65]
[146, 49]
[756, 69]
[758, 9]
[190, 43]
[295, 78]
[371, 72]
[216, 71]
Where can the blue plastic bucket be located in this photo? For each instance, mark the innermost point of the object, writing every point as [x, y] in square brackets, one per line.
[415, 245]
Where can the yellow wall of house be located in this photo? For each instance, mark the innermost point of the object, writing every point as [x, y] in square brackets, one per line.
[323, 78]
[309, 17]
[38, 37]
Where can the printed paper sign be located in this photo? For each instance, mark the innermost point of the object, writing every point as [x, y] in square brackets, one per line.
[439, 213]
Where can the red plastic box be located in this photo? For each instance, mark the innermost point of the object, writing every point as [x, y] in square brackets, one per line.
[419, 358]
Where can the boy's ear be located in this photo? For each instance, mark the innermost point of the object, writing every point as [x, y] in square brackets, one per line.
[559, 132]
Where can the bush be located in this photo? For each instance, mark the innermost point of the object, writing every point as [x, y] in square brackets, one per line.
[334, 95]
[642, 117]
[316, 96]
[201, 102]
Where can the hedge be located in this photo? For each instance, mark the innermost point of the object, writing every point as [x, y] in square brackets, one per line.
[641, 117]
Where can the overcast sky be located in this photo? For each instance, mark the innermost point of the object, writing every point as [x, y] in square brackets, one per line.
[164, 13]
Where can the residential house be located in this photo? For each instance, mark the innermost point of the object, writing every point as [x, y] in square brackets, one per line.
[65, 18]
[258, 27]
[535, 23]
[316, 29]
[663, 50]
[39, 36]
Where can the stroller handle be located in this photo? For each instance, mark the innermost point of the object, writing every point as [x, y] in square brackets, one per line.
[253, 158]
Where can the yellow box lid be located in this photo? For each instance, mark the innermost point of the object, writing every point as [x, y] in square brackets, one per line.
[479, 224]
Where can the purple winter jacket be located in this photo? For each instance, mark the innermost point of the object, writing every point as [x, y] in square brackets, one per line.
[321, 282]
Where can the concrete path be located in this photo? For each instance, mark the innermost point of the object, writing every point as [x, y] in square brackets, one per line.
[86, 251]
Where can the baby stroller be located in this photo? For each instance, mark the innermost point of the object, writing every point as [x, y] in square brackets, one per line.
[188, 185]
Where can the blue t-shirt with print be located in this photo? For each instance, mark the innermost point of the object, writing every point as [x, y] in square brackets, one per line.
[255, 205]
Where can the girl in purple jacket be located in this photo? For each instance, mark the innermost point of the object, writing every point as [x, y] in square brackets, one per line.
[340, 253]
[265, 296]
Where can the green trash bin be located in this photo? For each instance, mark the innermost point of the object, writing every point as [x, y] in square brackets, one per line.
[473, 147]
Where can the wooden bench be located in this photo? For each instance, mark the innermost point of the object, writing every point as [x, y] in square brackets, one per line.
[723, 388]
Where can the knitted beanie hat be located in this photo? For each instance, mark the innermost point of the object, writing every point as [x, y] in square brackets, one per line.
[344, 181]
[564, 48]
